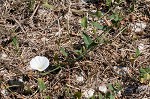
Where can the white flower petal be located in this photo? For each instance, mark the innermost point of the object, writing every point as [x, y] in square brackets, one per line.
[39, 63]
[103, 88]
[33, 64]
[89, 93]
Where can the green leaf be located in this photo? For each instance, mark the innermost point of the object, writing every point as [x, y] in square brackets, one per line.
[46, 5]
[117, 86]
[92, 45]
[41, 84]
[47, 97]
[115, 17]
[110, 87]
[94, 31]
[137, 53]
[144, 74]
[112, 96]
[93, 97]
[63, 52]
[142, 71]
[78, 95]
[132, 8]
[108, 2]
[84, 22]
[118, 1]
[97, 25]
[87, 39]
[112, 16]
[31, 4]
[98, 14]
[56, 57]
[100, 96]
[15, 42]
[79, 52]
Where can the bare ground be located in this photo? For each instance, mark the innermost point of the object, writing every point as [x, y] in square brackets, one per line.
[42, 31]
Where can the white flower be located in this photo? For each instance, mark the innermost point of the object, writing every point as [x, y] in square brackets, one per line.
[103, 88]
[39, 63]
[88, 93]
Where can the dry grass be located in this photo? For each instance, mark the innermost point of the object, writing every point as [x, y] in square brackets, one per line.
[42, 31]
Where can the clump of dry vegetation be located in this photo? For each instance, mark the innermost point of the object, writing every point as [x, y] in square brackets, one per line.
[98, 50]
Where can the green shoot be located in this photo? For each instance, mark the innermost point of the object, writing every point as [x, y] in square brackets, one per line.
[144, 75]
[137, 53]
[41, 85]
[15, 42]
[63, 52]
[97, 25]
[84, 22]
[46, 5]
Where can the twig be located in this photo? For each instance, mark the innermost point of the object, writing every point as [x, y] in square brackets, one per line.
[120, 32]
[31, 18]
[52, 23]
[72, 87]
[19, 25]
[4, 49]
[51, 71]
[34, 93]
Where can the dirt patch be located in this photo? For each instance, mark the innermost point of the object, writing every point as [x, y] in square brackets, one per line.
[28, 29]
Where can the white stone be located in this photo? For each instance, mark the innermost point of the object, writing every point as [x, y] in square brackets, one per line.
[3, 56]
[138, 26]
[103, 88]
[4, 92]
[79, 78]
[121, 70]
[88, 93]
[59, 32]
[44, 39]
[20, 79]
[84, 1]
[119, 93]
[141, 47]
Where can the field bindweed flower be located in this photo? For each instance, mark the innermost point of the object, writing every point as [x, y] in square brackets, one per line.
[39, 63]
[89, 93]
